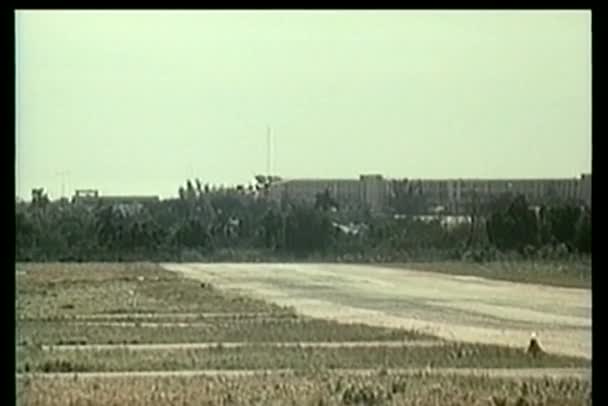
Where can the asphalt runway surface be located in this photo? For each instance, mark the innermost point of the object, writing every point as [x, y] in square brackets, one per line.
[459, 308]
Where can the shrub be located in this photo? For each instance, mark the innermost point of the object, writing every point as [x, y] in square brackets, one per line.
[191, 255]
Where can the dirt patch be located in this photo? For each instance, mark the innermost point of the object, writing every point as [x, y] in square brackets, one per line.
[146, 316]
[128, 324]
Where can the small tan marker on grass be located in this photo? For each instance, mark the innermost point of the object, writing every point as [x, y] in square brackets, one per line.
[534, 347]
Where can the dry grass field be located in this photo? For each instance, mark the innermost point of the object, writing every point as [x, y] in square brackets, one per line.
[320, 388]
[175, 340]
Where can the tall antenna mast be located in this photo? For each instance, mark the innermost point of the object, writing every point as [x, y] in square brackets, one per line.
[268, 152]
[63, 175]
[18, 107]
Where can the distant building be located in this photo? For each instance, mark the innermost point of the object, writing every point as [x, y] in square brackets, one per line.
[368, 191]
[91, 196]
[85, 196]
[451, 195]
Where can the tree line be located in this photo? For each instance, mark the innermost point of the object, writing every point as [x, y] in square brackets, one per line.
[205, 224]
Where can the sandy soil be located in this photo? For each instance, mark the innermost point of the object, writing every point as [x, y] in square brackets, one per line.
[308, 344]
[578, 373]
[469, 309]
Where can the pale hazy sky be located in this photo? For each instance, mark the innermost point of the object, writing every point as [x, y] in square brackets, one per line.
[135, 102]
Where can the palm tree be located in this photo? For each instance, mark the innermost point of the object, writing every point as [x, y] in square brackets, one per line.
[199, 190]
[190, 193]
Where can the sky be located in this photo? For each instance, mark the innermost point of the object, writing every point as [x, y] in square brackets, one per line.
[136, 102]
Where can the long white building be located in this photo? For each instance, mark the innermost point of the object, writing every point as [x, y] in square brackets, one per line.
[454, 195]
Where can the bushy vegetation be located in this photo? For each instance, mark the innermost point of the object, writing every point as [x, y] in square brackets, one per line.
[216, 330]
[233, 225]
[315, 388]
[270, 357]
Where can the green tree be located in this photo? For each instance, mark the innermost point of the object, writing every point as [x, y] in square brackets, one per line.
[563, 222]
[24, 235]
[272, 226]
[193, 234]
[308, 231]
[583, 233]
[514, 228]
[324, 201]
